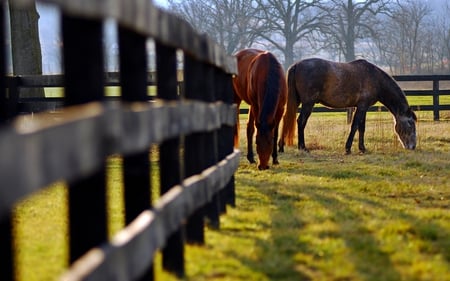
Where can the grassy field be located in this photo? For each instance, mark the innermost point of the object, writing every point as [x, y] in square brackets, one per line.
[383, 215]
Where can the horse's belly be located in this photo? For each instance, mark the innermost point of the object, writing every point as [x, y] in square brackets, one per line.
[339, 102]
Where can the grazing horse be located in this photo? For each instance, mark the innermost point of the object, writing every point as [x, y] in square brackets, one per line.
[261, 83]
[357, 84]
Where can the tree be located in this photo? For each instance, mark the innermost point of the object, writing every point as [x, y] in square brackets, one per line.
[404, 33]
[285, 23]
[349, 20]
[444, 33]
[25, 45]
[232, 23]
[409, 18]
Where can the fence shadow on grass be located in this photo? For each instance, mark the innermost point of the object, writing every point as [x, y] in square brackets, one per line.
[292, 251]
[427, 230]
[369, 260]
[279, 254]
[276, 253]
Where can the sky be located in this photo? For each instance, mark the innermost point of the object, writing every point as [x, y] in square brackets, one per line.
[48, 33]
[48, 25]
[161, 3]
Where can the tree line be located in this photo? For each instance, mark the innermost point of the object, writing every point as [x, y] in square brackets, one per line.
[404, 36]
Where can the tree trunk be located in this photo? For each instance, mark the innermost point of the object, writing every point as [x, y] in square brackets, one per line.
[289, 51]
[26, 47]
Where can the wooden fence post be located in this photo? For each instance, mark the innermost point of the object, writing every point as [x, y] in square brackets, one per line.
[9, 102]
[3, 99]
[6, 248]
[83, 61]
[212, 209]
[194, 146]
[136, 167]
[6, 222]
[169, 155]
[226, 139]
[350, 112]
[435, 99]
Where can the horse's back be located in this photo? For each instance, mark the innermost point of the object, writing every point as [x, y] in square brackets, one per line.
[336, 84]
[267, 78]
[240, 82]
[310, 74]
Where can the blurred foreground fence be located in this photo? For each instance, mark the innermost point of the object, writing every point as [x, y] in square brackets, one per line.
[192, 128]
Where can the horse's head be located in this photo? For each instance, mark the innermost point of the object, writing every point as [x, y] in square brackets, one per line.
[264, 146]
[405, 127]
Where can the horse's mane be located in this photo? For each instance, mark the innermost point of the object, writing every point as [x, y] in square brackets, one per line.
[387, 85]
[272, 89]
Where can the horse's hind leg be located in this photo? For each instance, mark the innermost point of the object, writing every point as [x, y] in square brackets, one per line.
[305, 112]
[237, 127]
[274, 149]
[250, 132]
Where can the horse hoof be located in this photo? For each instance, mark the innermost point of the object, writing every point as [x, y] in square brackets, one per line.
[348, 152]
[263, 167]
[275, 162]
[281, 149]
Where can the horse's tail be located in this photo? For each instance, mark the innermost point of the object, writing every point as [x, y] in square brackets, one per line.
[271, 90]
[288, 131]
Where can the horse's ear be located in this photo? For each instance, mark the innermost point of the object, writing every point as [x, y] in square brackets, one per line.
[411, 112]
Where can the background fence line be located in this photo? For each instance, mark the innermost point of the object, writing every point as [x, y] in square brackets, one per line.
[112, 79]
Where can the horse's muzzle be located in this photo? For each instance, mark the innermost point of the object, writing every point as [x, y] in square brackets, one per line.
[260, 167]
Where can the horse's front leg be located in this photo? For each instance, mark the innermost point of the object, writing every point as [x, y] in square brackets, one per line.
[355, 125]
[250, 132]
[361, 131]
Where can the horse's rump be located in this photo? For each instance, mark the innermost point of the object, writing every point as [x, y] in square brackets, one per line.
[268, 86]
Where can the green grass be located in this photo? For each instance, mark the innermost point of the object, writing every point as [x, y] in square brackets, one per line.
[383, 215]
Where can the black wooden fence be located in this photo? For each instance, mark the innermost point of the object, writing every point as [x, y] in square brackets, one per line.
[193, 130]
[18, 104]
[435, 92]
[437, 106]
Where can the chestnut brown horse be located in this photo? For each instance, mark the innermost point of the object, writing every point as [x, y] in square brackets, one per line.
[261, 83]
[357, 84]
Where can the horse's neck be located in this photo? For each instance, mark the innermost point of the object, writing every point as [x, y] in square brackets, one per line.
[394, 99]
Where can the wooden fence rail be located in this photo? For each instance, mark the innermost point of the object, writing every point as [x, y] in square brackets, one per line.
[25, 105]
[435, 93]
[193, 130]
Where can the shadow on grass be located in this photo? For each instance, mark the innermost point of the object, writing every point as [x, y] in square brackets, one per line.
[435, 236]
[275, 253]
[369, 259]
